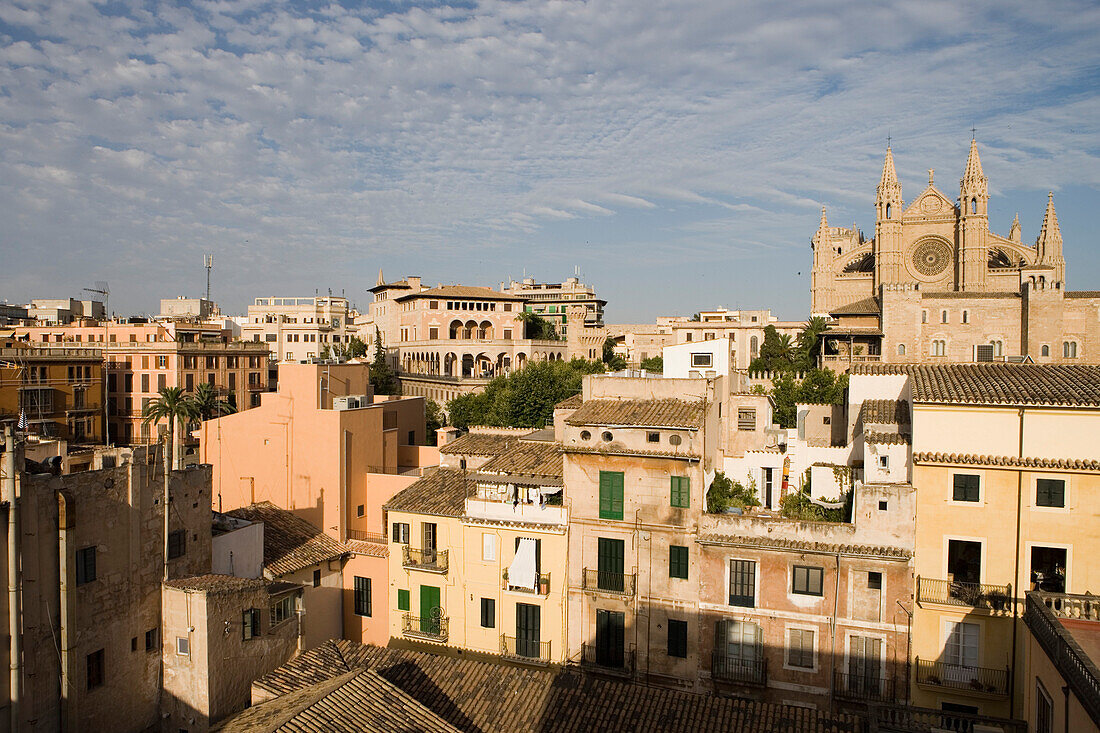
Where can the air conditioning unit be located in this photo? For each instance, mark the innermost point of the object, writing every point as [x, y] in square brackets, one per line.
[346, 403]
[983, 352]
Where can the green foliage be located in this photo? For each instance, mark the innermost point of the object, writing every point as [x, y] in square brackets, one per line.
[173, 406]
[797, 505]
[725, 493]
[819, 386]
[523, 399]
[433, 420]
[382, 378]
[538, 328]
[779, 353]
[355, 348]
[654, 364]
[207, 404]
[695, 318]
[614, 362]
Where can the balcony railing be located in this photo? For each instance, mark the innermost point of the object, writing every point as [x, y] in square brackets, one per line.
[959, 677]
[1041, 614]
[361, 536]
[735, 669]
[542, 585]
[607, 661]
[622, 584]
[864, 688]
[429, 629]
[432, 561]
[525, 650]
[906, 718]
[994, 598]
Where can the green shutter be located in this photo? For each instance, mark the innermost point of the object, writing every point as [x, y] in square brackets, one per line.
[402, 600]
[680, 493]
[611, 495]
[677, 561]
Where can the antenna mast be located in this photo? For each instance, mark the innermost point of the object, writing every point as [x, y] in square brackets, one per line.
[102, 289]
[208, 263]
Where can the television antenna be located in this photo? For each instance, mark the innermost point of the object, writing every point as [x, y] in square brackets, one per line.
[102, 289]
[208, 263]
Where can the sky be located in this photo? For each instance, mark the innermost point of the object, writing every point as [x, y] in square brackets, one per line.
[675, 154]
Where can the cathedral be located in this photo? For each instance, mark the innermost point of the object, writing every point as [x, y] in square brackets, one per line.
[935, 284]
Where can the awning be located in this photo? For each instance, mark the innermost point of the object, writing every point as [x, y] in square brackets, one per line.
[521, 573]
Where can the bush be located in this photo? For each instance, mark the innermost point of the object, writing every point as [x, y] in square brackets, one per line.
[725, 493]
[654, 364]
[797, 505]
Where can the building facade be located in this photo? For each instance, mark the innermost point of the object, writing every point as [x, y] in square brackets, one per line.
[298, 329]
[551, 300]
[54, 390]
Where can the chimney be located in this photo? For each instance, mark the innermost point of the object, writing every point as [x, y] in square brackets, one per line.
[414, 283]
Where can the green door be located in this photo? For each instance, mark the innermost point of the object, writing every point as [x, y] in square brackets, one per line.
[609, 574]
[527, 630]
[430, 611]
[610, 628]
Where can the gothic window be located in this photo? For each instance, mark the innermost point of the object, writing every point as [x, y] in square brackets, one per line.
[924, 316]
[889, 211]
[863, 263]
[1045, 351]
[939, 347]
[1069, 350]
[901, 349]
[943, 316]
[973, 206]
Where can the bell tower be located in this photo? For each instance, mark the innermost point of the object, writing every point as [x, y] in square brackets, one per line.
[888, 209]
[973, 223]
[1049, 243]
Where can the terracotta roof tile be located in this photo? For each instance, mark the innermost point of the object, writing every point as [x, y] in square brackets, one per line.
[441, 493]
[865, 307]
[570, 403]
[290, 542]
[480, 444]
[885, 412]
[462, 291]
[215, 583]
[780, 543]
[528, 459]
[665, 413]
[998, 384]
[618, 449]
[879, 438]
[1064, 464]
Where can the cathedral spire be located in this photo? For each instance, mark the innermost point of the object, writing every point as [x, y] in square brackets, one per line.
[1049, 242]
[974, 187]
[889, 176]
[381, 280]
[1014, 232]
[888, 196]
[973, 171]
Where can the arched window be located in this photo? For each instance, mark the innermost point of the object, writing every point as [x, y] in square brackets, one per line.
[973, 205]
[889, 211]
[998, 348]
[939, 347]
[754, 346]
[943, 316]
[924, 316]
[1069, 350]
[901, 349]
[966, 316]
[1045, 351]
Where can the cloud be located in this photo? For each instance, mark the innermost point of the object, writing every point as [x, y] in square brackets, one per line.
[466, 142]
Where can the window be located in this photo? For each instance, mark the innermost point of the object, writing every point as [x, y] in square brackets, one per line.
[807, 581]
[874, 580]
[688, 336]
[966, 317]
[360, 510]
[961, 646]
[943, 316]
[183, 646]
[1069, 349]
[746, 419]
[681, 492]
[401, 532]
[739, 643]
[652, 437]
[151, 640]
[1044, 709]
[743, 583]
[586, 435]
[250, 623]
[488, 547]
[317, 578]
[488, 613]
[1045, 351]
[964, 561]
[702, 360]
[676, 439]
[966, 487]
[433, 333]
[1048, 569]
[800, 648]
[85, 565]
[677, 638]
[607, 437]
[280, 610]
[362, 600]
[901, 349]
[884, 462]
[939, 347]
[678, 561]
[402, 600]
[177, 543]
[1050, 492]
[611, 495]
[95, 669]
[924, 316]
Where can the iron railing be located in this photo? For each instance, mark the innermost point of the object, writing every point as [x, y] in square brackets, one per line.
[736, 669]
[994, 598]
[433, 561]
[865, 688]
[542, 585]
[433, 628]
[1041, 614]
[525, 650]
[361, 536]
[618, 583]
[906, 718]
[961, 677]
[608, 661]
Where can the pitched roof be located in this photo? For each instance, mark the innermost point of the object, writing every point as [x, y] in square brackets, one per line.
[886, 438]
[483, 696]
[1065, 464]
[461, 291]
[998, 384]
[528, 459]
[664, 413]
[290, 542]
[215, 583]
[570, 403]
[480, 444]
[441, 493]
[865, 307]
[402, 284]
[885, 412]
[783, 543]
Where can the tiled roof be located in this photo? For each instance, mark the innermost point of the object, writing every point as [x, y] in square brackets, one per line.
[885, 412]
[461, 291]
[998, 384]
[1065, 464]
[666, 413]
[780, 543]
[865, 307]
[441, 493]
[403, 284]
[618, 449]
[962, 295]
[885, 438]
[542, 435]
[852, 331]
[527, 458]
[372, 549]
[494, 698]
[480, 444]
[354, 702]
[570, 403]
[290, 542]
[215, 583]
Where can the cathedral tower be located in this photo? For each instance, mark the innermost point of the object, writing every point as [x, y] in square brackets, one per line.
[1049, 243]
[973, 223]
[888, 210]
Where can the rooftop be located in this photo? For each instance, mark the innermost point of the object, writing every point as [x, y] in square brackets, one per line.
[570, 403]
[215, 583]
[480, 444]
[482, 696]
[462, 291]
[865, 307]
[885, 412]
[290, 542]
[997, 384]
[441, 493]
[663, 413]
[528, 458]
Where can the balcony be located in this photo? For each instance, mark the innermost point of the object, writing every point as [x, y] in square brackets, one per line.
[742, 671]
[542, 585]
[507, 512]
[431, 561]
[1042, 613]
[361, 536]
[997, 599]
[982, 680]
[863, 688]
[908, 719]
[524, 650]
[425, 629]
[619, 584]
[607, 661]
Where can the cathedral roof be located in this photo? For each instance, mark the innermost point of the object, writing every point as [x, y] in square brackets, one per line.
[865, 307]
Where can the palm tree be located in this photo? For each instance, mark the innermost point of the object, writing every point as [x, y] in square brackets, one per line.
[172, 405]
[208, 405]
[809, 341]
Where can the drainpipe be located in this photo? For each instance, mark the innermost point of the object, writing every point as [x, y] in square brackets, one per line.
[9, 496]
[1016, 573]
[832, 630]
[65, 614]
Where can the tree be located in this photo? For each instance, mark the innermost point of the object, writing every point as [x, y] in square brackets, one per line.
[818, 386]
[654, 364]
[695, 318]
[382, 378]
[614, 362]
[172, 405]
[207, 404]
[356, 348]
[326, 353]
[433, 419]
[537, 328]
[809, 343]
[775, 353]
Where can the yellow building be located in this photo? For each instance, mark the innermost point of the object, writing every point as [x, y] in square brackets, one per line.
[478, 560]
[1007, 476]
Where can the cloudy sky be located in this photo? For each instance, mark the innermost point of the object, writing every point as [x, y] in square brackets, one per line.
[677, 153]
